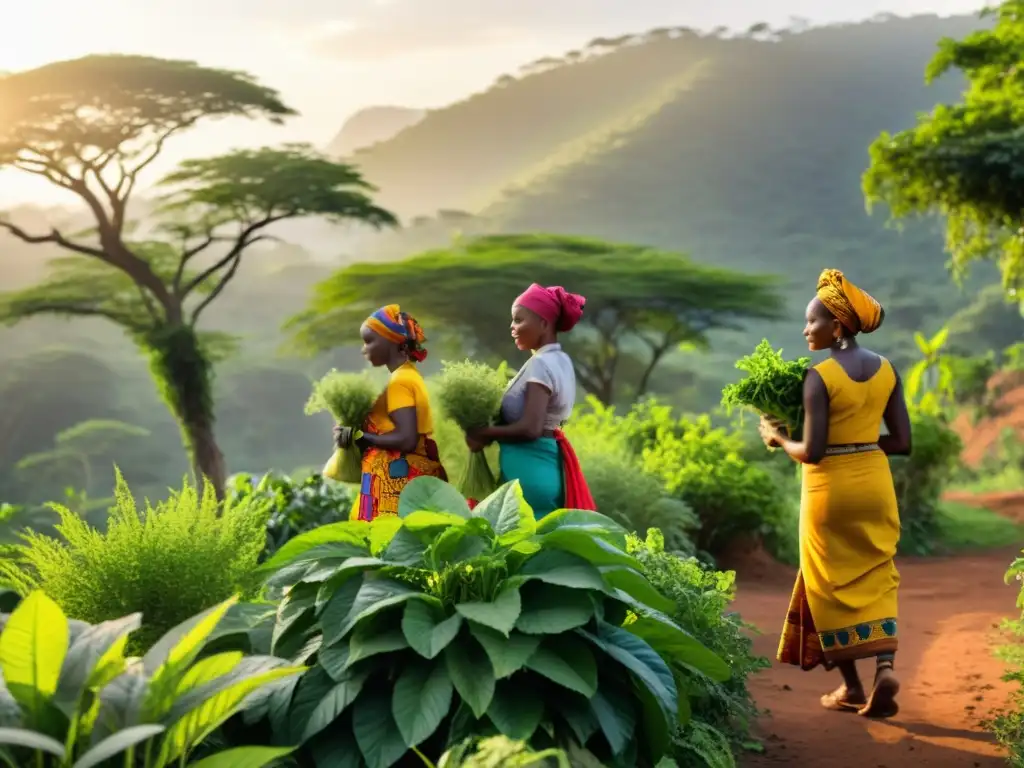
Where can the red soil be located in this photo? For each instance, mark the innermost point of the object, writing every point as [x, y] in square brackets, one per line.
[950, 610]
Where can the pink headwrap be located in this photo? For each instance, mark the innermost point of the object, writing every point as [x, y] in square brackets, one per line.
[556, 305]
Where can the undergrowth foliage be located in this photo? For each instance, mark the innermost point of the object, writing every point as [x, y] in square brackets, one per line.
[1009, 725]
[169, 561]
[722, 712]
[444, 623]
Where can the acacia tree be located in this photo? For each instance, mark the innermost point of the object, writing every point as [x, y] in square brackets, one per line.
[91, 126]
[642, 303]
[965, 161]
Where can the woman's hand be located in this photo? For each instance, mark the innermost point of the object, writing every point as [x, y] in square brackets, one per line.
[475, 441]
[342, 436]
[771, 432]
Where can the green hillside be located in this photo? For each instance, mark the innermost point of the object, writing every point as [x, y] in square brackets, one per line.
[745, 153]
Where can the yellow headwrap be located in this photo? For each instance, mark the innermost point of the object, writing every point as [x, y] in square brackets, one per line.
[854, 308]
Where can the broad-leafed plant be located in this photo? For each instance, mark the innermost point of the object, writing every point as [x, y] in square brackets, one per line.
[443, 623]
[70, 698]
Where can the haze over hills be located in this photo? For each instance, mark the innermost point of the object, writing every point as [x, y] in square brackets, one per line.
[743, 152]
[372, 125]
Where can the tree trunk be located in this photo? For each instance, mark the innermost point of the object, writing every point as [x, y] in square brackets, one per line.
[207, 459]
[184, 376]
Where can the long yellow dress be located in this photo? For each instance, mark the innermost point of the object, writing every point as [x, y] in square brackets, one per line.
[844, 603]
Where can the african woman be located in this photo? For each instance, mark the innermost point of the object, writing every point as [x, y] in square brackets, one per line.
[396, 443]
[844, 603]
[539, 399]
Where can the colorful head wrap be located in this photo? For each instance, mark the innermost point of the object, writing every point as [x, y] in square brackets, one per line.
[556, 305]
[401, 328]
[857, 310]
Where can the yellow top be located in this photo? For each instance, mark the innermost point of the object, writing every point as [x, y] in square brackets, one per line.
[855, 408]
[406, 389]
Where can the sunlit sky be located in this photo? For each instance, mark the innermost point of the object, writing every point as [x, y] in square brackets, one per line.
[329, 58]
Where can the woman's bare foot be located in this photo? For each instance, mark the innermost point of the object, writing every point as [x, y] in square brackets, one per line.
[883, 696]
[844, 699]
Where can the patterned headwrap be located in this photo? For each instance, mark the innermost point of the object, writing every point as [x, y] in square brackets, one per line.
[400, 328]
[857, 310]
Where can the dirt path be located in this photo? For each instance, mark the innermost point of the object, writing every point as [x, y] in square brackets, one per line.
[949, 608]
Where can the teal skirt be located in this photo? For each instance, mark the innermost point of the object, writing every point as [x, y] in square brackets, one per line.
[537, 466]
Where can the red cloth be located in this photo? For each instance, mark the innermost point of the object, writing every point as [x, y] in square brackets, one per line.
[556, 305]
[577, 492]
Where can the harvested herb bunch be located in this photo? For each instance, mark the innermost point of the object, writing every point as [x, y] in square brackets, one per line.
[773, 387]
[470, 394]
[349, 398]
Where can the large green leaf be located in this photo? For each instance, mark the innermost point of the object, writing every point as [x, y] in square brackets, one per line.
[567, 661]
[656, 731]
[615, 718]
[117, 743]
[296, 610]
[642, 661]
[21, 737]
[333, 703]
[470, 670]
[382, 531]
[370, 642]
[375, 594]
[431, 521]
[336, 748]
[681, 647]
[176, 649]
[579, 716]
[337, 567]
[579, 519]
[455, 545]
[548, 609]
[430, 494]
[84, 656]
[32, 648]
[555, 566]
[426, 635]
[375, 729]
[405, 548]
[347, 584]
[516, 709]
[509, 515]
[636, 585]
[422, 699]
[351, 532]
[507, 654]
[226, 700]
[243, 757]
[588, 546]
[500, 615]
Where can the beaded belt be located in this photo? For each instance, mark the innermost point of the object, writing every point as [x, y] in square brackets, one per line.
[842, 450]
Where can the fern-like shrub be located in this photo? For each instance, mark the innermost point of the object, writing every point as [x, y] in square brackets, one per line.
[169, 561]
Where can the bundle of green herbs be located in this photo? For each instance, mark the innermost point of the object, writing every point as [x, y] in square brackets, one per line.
[470, 395]
[773, 387]
[349, 398]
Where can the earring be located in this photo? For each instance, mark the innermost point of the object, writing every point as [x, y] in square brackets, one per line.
[841, 342]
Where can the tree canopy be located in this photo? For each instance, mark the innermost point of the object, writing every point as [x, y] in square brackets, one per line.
[642, 303]
[965, 161]
[91, 126]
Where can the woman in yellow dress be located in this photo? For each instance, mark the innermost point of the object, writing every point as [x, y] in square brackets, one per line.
[844, 603]
[397, 440]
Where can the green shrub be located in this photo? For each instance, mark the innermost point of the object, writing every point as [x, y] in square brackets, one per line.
[722, 712]
[442, 624]
[921, 478]
[295, 507]
[703, 466]
[169, 562]
[498, 752]
[68, 691]
[1009, 725]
